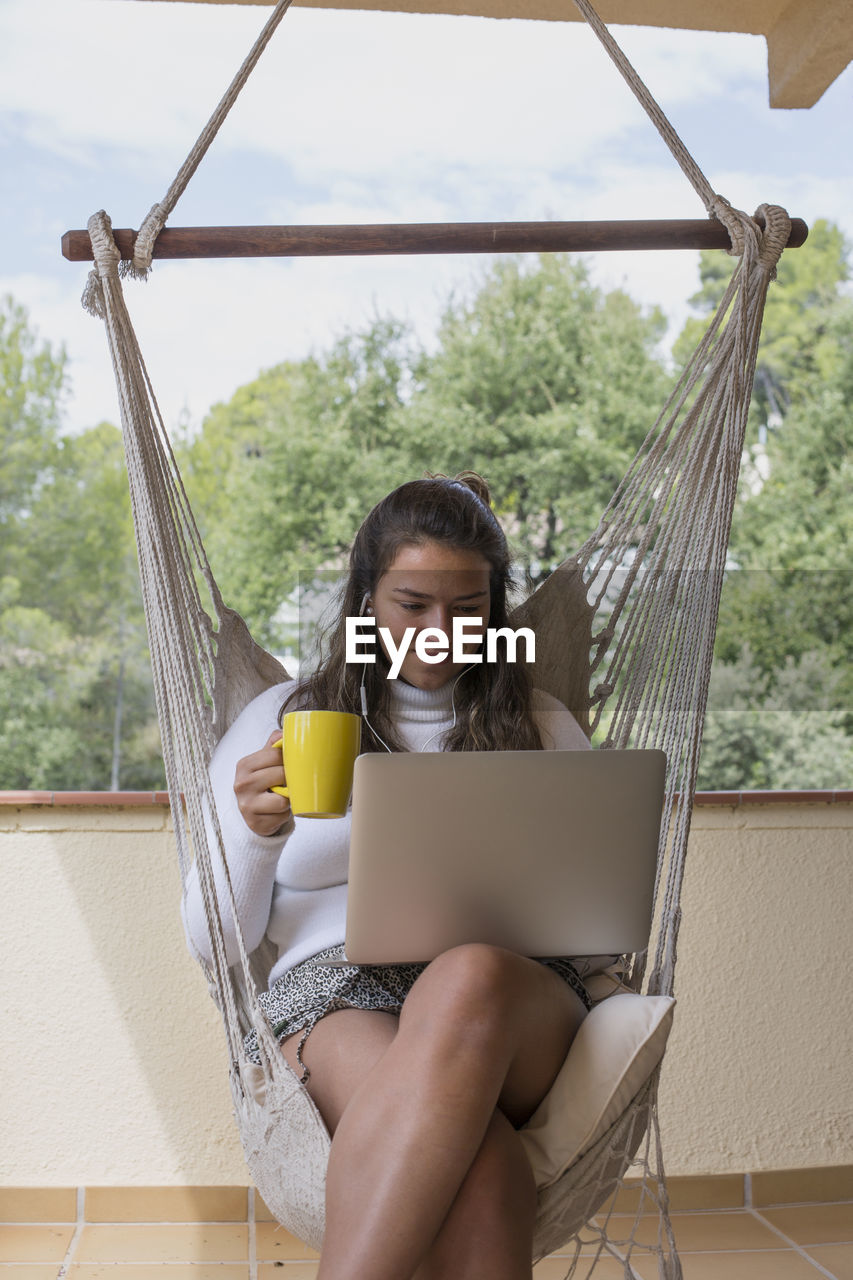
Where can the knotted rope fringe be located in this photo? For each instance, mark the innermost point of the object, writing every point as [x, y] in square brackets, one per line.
[654, 566]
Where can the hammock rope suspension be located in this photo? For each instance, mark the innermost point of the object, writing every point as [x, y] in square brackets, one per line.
[155, 219]
[717, 205]
[625, 633]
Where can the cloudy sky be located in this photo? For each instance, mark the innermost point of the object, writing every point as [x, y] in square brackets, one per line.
[363, 117]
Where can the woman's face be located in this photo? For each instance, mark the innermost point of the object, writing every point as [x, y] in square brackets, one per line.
[428, 586]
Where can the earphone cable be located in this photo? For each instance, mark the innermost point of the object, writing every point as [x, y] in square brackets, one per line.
[363, 695]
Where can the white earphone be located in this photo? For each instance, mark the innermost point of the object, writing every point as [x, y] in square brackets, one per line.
[363, 692]
[452, 704]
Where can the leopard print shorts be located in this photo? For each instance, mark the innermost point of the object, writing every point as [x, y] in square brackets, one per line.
[312, 989]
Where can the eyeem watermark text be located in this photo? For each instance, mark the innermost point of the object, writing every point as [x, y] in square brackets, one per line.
[432, 644]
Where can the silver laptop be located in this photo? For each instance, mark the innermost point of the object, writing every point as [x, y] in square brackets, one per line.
[548, 853]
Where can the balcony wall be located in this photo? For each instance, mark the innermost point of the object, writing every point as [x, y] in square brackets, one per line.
[114, 1062]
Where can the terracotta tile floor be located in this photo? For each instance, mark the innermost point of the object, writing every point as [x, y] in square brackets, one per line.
[785, 1242]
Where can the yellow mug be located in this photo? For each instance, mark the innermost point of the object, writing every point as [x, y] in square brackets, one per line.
[319, 749]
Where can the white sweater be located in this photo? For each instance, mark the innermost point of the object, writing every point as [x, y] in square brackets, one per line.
[293, 886]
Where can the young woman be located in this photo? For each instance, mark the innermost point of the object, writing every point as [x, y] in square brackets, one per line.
[422, 1073]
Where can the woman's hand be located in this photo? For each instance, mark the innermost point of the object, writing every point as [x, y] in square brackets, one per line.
[264, 811]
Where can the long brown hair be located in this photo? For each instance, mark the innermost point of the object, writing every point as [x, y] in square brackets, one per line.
[493, 700]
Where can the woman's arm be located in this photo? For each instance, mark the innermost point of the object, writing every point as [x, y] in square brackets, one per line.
[255, 826]
[559, 729]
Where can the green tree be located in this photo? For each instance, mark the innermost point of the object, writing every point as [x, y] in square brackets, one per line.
[548, 386]
[76, 547]
[540, 381]
[800, 515]
[780, 731]
[795, 341]
[57, 707]
[32, 386]
[76, 700]
[91, 582]
[281, 476]
[790, 602]
[40, 705]
[793, 528]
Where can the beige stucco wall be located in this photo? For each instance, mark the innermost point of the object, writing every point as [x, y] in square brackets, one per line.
[113, 1059]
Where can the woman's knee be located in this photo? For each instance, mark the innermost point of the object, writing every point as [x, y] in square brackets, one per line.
[474, 986]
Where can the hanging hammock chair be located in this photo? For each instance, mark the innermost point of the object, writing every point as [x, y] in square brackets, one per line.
[626, 624]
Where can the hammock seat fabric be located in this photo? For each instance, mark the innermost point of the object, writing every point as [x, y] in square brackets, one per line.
[625, 633]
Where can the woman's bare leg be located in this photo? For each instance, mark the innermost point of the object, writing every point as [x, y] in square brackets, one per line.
[481, 1028]
[488, 1232]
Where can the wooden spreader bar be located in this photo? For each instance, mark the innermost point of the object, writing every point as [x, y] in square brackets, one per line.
[427, 237]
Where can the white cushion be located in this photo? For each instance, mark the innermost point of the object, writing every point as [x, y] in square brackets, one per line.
[618, 1045]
